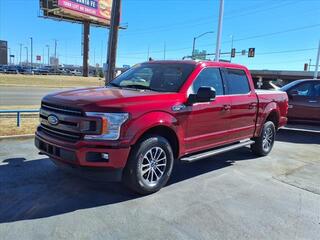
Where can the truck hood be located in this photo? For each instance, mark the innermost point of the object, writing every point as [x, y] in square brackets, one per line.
[111, 97]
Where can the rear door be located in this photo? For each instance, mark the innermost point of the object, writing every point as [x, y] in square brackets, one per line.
[244, 103]
[316, 101]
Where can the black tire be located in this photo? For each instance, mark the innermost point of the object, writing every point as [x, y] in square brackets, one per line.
[264, 143]
[133, 176]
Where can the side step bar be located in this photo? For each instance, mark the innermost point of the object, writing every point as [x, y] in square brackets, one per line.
[199, 156]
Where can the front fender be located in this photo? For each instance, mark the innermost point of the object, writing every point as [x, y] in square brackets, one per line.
[264, 112]
[149, 120]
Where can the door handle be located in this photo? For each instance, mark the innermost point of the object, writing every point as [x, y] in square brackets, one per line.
[226, 107]
[252, 105]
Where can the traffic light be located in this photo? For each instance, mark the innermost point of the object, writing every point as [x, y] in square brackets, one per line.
[233, 52]
[251, 52]
[305, 67]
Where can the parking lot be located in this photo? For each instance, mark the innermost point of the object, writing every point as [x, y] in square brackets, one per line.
[231, 196]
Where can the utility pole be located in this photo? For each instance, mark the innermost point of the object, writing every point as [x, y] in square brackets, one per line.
[31, 39]
[55, 48]
[315, 76]
[309, 64]
[164, 51]
[219, 33]
[113, 41]
[20, 53]
[9, 56]
[148, 56]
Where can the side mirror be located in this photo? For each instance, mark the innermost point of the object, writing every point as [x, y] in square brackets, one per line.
[204, 94]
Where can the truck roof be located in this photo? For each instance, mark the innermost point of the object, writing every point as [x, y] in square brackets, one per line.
[195, 62]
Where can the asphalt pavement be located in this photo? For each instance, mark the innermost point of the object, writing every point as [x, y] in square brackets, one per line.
[12, 96]
[231, 196]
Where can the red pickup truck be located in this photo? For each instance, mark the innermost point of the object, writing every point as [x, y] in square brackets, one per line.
[155, 113]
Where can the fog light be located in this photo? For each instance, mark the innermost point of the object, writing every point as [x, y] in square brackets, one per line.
[105, 156]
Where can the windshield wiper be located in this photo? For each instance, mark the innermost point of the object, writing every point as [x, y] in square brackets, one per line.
[115, 85]
[138, 86]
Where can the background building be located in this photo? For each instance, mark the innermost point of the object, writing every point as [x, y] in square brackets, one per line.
[3, 52]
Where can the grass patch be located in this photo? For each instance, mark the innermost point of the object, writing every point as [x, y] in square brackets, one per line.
[28, 125]
[49, 81]
[13, 107]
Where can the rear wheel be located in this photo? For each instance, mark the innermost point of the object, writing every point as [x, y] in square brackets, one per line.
[264, 143]
[149, 166]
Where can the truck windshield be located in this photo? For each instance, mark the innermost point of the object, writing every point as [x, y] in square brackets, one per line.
[162, 77]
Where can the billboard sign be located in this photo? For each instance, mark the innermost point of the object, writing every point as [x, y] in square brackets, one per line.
[95, 11]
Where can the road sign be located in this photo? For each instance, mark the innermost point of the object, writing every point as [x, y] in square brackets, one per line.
[12, 56]
[251, 52]
[38, 58]
[243, 52]
[233, 52]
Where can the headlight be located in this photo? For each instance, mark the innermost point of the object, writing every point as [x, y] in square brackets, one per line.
[110, 125]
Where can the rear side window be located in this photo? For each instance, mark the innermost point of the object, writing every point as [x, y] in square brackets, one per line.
[237, 81]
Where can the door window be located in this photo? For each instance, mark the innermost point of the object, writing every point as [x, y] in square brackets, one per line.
[208, 77]
[237, 81]
[304, 89]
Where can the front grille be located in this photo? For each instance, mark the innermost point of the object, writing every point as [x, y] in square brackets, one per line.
[61, 109]
[71, 126]
[62, 135]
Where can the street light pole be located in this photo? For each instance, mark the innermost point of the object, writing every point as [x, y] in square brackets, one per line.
[219, 33]
[315, 76]
[9, 56]
[48, 54]
[195, 38]
[27, 55]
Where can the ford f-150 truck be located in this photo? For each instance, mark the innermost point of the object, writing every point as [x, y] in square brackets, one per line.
[155, 113]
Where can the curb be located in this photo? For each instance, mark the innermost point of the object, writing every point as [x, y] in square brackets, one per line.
[17, 137]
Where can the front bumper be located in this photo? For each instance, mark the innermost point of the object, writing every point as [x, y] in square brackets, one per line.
[81, 155]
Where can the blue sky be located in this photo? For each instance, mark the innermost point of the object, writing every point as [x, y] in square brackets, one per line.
[285, 33]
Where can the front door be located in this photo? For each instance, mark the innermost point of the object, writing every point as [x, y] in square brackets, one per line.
[208, 122]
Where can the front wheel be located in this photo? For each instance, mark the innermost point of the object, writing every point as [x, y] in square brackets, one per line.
[149, 166]
[264, 143]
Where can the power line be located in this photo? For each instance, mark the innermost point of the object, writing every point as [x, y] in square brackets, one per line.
[237, 40]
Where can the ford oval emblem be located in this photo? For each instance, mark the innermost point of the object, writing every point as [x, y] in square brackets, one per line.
[53, 120]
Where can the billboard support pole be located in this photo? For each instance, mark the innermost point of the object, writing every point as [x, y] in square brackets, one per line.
[113, 41]
[86, 33]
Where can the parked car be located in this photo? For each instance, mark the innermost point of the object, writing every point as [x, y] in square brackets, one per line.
[304, 100]
[155, 113]
[12, 69]
[3, 68]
